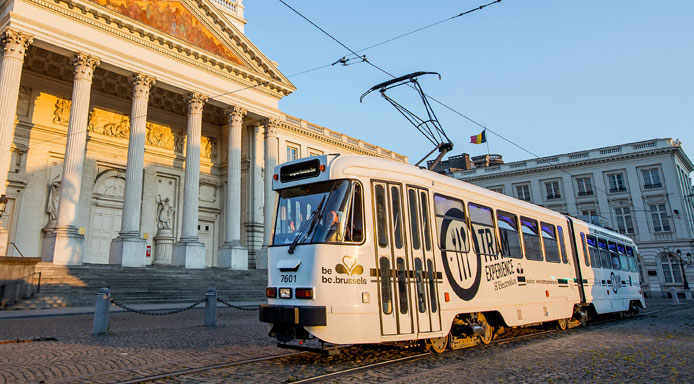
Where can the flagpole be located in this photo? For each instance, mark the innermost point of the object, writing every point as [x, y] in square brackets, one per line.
[487, 141]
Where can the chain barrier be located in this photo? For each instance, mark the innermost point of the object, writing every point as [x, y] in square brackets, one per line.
[236, 306]
[154, 313]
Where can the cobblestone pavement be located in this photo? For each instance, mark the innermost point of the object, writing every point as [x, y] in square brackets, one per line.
[654, 348]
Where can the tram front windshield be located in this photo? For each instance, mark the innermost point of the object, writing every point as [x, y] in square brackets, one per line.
[328, 212]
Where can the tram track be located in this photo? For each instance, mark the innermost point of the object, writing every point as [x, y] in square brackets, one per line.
[173, 375]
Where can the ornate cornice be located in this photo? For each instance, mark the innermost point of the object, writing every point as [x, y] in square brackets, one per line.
[141, 84]
[328, 140]
[15, 43]
[576, 164]
[102, 18]
[84, 66]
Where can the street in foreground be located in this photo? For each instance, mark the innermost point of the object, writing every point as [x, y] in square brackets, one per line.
[656, 347]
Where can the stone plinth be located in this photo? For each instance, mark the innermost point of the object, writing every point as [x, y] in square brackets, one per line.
[128, 251]
[189, 254]
[234, 256]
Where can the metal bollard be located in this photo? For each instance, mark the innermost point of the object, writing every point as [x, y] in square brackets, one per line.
[687, 294]
[101, 311]
[211, 307]
[675, 299]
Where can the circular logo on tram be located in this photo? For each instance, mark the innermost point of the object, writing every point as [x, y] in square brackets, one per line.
[463, 267]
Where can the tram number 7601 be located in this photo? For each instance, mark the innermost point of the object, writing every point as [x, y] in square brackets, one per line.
[288, 278]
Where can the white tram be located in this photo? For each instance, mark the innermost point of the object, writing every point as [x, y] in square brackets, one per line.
[368, 250]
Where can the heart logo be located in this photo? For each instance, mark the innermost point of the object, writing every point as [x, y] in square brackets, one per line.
[349, 266]
[349, 262]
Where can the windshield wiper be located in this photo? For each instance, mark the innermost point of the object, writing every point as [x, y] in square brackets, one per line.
[308, 225]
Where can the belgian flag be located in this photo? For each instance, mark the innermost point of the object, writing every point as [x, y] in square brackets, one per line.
[479, 139]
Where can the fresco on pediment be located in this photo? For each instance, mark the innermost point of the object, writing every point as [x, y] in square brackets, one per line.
[173, 18]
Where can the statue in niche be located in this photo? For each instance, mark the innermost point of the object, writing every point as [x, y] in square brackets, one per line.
[164, 213]
[52, 203]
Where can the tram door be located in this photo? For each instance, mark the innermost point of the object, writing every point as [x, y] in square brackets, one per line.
[393, 267]
[421, 259]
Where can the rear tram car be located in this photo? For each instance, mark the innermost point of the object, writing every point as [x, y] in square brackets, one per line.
[368, 250]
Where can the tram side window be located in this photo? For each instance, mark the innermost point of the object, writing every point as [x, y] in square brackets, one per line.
[632, 260]
[414, 220]
[425, 219]
[354, 232]
[604, 254]
[549, 239]
[564, 256]
[432, 285]
[614, 257]
[381, 219]
[594, 253]
[623, 257]
[419, 278]
[451, 211]
[586, 256]
[402, 284]
[386, 294]
[397, 216]
[531, 239]
[509, 235]
[482, 223]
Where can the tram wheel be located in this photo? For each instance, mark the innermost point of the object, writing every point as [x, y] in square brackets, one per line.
[562, 324]
[486, 338]
[438, 344]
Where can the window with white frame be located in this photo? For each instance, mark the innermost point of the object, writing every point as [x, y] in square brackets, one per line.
[661, 223]
[292, 153]
[498, 188]
[651, 178]
[585, 186]
[552, 188]
[625, 224]
[523, 192]
[617, 182]
[314, 152]
[671, 269]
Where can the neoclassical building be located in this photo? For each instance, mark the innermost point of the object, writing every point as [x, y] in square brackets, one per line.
[642, 189]
[142, 132]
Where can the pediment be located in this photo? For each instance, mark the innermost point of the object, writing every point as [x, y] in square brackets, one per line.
[180, 25]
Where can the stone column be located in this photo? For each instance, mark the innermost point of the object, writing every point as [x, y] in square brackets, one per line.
[189, 251]
[68, 247]
[232, 253]
[271, 150]
[129, 247]
[14, 45]
[254, 225]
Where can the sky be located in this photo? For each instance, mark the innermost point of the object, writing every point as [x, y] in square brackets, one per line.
[550, 77]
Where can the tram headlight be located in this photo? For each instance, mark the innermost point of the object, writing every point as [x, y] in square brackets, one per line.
[304, 293]
[285, 293]
[271, 292]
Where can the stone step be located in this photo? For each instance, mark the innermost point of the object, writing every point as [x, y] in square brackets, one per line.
[77, 285]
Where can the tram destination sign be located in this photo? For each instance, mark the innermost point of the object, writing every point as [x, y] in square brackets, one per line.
[299, 171]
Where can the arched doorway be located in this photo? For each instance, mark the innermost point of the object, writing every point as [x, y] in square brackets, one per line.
[106, 212]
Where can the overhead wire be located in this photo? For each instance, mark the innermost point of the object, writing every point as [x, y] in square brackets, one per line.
[353, 52]
[356, 56]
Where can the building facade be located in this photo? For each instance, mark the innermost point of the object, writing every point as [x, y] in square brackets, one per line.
[642, 190]
[143, 132]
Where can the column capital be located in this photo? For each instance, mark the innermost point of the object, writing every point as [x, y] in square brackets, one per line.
[236, 114]
[271, 125]
[196, 101]
[84, 66]
[141, 85]
[15, 43]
